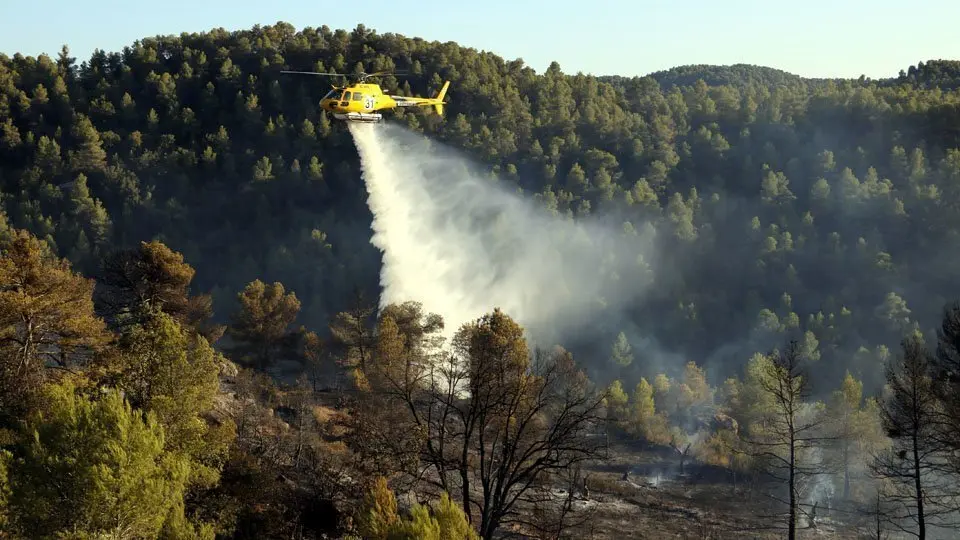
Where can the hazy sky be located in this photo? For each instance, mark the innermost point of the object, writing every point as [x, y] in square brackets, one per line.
[825, 38]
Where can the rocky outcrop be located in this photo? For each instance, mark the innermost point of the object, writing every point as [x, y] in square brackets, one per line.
[723, 421]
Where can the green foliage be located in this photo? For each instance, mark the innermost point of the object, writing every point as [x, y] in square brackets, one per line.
[378, 515]
[616, 397]
[172, 373]
[46, 319]
[620, 353]
[421, 525]
[943, 74]
[644, 420]
[856, 424]
[135, 283]
[825, 208]
[260, 326]
[93, 467]
[452, 522]
[4, 489]
[378, 518]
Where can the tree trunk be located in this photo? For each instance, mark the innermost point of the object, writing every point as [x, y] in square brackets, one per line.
[792, 528]
[846, 470]
[916, 481]
[465, 486]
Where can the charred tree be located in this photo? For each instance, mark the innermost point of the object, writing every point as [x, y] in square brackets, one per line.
[945, 366]
[915, 463]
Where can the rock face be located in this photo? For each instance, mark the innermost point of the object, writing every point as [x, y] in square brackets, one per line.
[722, 421]
[717, 422]
[228, 369]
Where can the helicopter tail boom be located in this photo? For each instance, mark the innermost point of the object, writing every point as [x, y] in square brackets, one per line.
[438, 107]
[436, 102]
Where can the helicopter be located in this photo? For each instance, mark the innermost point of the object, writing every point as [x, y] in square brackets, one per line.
[359, 101]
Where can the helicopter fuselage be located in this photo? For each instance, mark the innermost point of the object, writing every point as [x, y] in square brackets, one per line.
[362, 102]
[358, 103]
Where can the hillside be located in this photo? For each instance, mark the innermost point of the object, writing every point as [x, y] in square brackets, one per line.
[820, 210]
[199, 141]
[738, 75]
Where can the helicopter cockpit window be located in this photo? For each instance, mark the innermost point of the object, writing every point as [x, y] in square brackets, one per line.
[330, 94]
[346, 96]
[357, 96]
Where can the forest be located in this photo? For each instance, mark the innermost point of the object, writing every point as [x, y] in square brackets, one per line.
[190, 345]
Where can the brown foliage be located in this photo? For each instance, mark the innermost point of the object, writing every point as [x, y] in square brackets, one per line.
[46, 319]
[260, 325]
[153, 276]
[493, 420]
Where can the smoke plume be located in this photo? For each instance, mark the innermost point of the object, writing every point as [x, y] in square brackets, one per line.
[456, 241]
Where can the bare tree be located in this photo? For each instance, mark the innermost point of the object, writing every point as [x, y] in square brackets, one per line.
[553, 513]
[493, 421]
[876, 513]
[945, 365]
[351, 333]
[916, 462]
[785, 441]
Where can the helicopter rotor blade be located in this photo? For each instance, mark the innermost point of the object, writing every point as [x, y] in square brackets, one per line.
[397, 72]
[314, 73]
[382, 73]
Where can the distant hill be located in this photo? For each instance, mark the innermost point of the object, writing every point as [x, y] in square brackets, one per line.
[943, 74]
[733, 75]
[736, 75]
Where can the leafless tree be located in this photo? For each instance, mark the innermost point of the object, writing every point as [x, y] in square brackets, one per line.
[554, 514]
[945, 367]
[916, 462]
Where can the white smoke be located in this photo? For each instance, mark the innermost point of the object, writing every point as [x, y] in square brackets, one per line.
[461, 245]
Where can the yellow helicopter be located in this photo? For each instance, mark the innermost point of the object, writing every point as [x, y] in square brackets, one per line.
[360, 101]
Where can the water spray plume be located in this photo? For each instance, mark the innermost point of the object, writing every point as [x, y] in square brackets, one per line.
[461, 245]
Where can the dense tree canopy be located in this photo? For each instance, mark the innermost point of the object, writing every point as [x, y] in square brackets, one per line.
[785, 204]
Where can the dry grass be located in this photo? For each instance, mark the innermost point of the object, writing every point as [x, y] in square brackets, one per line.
[332, 421]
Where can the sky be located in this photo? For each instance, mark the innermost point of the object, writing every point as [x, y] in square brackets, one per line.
[812, 38]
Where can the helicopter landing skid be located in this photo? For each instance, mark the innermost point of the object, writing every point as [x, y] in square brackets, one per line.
[359, 117]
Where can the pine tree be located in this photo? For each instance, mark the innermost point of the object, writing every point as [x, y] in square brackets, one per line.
[89, 155]
[260, 326]
[93, 467]
[46, 317]
[914, 462]
[621, 354]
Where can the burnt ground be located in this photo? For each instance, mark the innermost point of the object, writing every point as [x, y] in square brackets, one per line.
[705, 502]
[656, 500]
